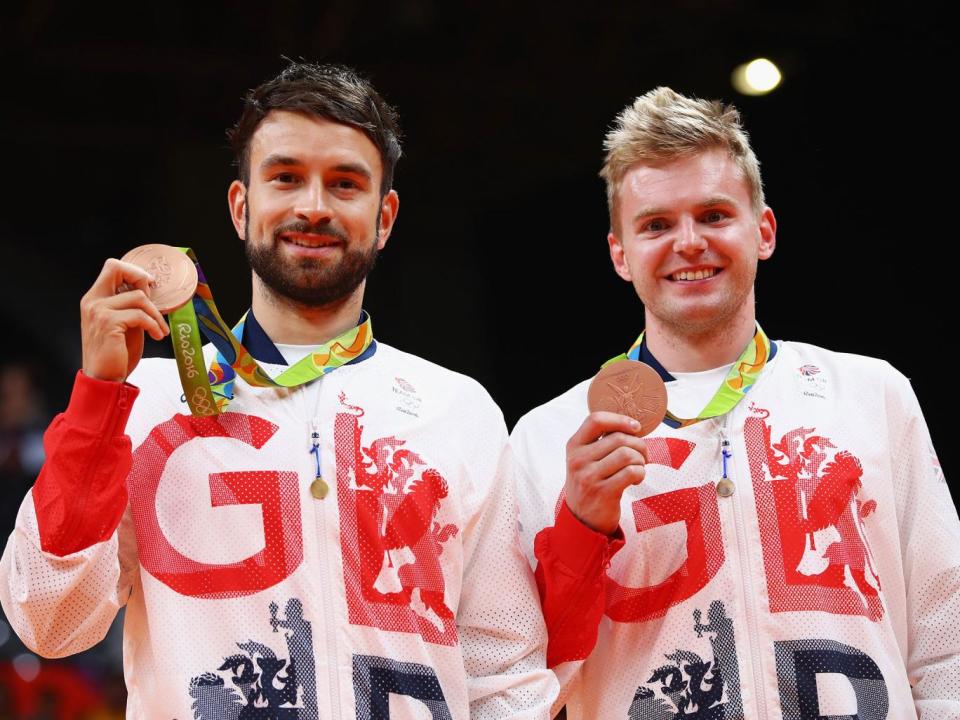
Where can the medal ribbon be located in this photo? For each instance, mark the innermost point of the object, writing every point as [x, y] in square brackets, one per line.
[209, 393]
[743, 374]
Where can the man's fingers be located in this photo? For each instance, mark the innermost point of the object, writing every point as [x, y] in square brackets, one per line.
[626, 476]
[136, 299]
[136, 318]
[601, 423]
[616, 461]
[116, 274]
[608, 443]
[604, 456]
[580, 457]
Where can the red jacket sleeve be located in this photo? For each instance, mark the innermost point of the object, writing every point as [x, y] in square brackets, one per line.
[571, 573]
[81, 492]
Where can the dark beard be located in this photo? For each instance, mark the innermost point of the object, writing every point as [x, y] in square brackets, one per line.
[310, 282]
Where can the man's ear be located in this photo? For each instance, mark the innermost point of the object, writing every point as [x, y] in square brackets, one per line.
[237, 205]
[388, 216]
[768, 234]
[618, 257]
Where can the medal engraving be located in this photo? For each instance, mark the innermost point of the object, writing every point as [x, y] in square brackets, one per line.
[630, 388]
[174, 274]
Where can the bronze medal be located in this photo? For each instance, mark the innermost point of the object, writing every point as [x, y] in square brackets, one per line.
[630, 388]
[174, 274]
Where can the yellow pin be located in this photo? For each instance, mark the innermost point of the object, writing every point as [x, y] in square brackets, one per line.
[319, 488]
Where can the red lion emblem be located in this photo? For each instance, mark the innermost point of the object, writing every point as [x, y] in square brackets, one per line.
[389, 499]
[815, 543]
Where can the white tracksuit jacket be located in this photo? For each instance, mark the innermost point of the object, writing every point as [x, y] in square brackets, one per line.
[402, 594]
[826, 586]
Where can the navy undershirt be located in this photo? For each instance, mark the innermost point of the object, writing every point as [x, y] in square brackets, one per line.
[647, 357]
[259, 344]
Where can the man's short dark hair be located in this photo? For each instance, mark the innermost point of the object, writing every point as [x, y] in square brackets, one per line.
[334, 92]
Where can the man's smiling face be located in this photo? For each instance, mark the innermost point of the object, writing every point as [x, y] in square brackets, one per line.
[311, 217]
[689, 240]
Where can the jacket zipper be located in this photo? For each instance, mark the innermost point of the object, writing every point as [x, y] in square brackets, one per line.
[328, 610]
[746, 577]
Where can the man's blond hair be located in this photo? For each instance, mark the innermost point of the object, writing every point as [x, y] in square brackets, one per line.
[664, 125]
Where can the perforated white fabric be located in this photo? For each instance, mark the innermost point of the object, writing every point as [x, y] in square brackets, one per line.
[826, 585]
[403, 588]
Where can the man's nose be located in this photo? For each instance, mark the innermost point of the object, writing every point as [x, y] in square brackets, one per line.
[313, 204]
[688, 240]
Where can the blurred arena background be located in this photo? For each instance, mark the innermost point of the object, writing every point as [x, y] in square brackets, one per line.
[113, 136]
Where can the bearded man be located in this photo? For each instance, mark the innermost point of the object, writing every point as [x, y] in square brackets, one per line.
[354, 496]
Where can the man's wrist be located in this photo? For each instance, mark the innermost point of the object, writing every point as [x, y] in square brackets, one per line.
[581, 546]
[99, 405]
[600, 529]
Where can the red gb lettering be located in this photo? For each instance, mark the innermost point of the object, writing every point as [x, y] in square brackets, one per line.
[697, 508]
[275, 491]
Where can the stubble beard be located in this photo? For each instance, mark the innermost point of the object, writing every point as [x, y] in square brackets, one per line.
[712, 321]
[310, 282]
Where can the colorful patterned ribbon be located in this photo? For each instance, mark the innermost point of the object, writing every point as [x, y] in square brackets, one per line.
[209, 393]
[743, 374]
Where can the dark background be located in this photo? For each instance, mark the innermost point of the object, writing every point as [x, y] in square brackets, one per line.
[112, 135]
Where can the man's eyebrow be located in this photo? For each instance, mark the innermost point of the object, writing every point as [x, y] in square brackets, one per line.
[648, 211]
[354, 169]
[718, 200]
[275, 160]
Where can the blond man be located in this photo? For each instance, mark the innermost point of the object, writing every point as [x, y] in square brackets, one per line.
[783, 544]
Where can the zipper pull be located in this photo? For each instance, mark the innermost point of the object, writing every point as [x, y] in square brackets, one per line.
[725, 484]
[319, 487]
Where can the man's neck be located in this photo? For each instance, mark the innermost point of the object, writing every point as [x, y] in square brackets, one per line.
[695, 352]
[289, 323]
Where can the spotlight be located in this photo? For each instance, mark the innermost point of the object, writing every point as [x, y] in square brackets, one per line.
[757, 77]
